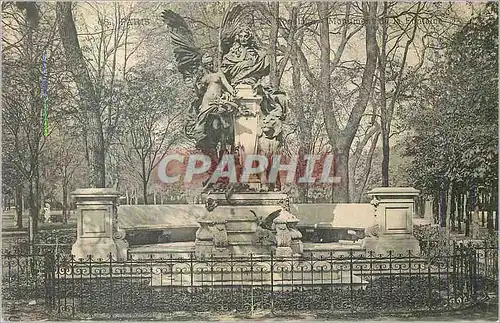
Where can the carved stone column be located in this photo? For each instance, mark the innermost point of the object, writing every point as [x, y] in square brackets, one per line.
[97, 226]
[297, 244]
[204, 238]
[283, 235]
[212, 237]
[393, 223]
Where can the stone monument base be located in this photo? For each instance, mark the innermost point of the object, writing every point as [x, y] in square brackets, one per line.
[96, 247]
[233, 226]
[284, 252]
[396, 244]
[98, 234]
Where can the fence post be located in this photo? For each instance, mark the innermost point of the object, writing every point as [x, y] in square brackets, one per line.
[191, 268]
[409, 268]
[351, 268]
[251, 283]
[485, 252]
[474, 266]
[429, 287]
[272, 283]
[110, 258]
[454, 269]
[49, 280]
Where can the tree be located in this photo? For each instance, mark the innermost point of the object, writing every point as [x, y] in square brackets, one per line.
[341, 139]
[29, 35]
[99, 59]
[405, 33]
[454, 141]
[152, 123]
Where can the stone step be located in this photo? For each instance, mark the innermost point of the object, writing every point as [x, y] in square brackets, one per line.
[174, 250]
[241, 238]
[247, 279]
[242, 231]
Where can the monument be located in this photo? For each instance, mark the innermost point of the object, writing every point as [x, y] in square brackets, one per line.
[98, 234]
[392, 228]
[234, 116]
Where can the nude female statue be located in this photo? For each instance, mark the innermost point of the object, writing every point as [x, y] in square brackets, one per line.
[216, 105]
[213, 82]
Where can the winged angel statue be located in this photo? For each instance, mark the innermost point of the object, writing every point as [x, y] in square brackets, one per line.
[240, 61]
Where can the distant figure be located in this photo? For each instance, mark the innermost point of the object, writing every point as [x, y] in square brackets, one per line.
[46, 213]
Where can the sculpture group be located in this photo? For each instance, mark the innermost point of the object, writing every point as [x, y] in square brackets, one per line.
[241, 65]
[235, 114]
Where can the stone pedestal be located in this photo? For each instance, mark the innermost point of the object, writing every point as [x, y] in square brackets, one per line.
[283, 234]
[429, 209]
[246, 126]
[393, 225]
[297, 244]
[97, 228]
[236, 221]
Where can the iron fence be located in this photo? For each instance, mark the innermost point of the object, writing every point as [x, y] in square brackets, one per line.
[108, 288]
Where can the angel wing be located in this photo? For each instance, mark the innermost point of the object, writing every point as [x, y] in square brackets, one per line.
[268, 221]
[187, 55]
[232, 19]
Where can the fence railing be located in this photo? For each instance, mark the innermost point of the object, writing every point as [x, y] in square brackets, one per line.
[107, 288]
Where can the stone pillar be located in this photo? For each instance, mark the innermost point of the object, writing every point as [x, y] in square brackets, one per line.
[204, 238]
[212, 236]
[475, 225]
[297, 244]
[429, 209]
[246, 126]
[283, 237]
[97, 228]
[394, 212]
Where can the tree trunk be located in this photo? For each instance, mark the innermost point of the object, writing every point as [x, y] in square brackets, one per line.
[384, 113]
[385, 158]
[273, 42]
[342, 140]
[448, 193]
[453, 209]
[367, 167]
[442, 208]
[459, 206]
[435, 209]
[34, 209]
[491, 208]
[387, 111]
[496, 209]
[144, 183]
[304, 128]
[65, 203]
[19, 206]
[77, 66]
[340, 191]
